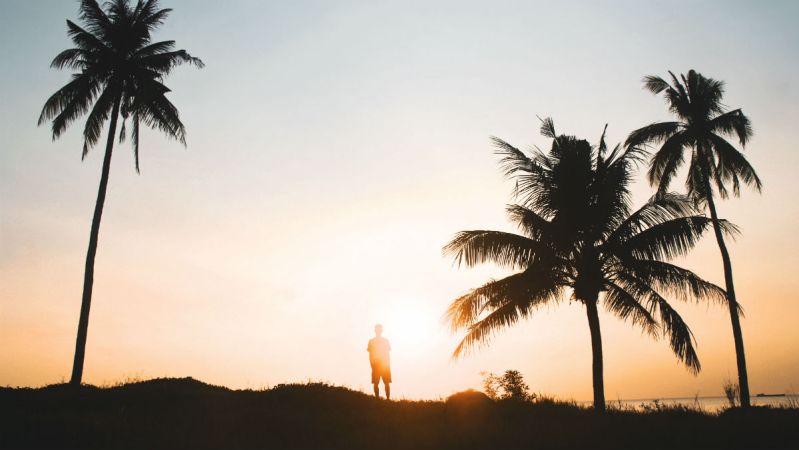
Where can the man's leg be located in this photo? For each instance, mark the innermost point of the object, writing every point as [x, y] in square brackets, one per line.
[377, 389]
[388, 390]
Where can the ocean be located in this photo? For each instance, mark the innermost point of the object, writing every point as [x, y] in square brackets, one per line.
[709, 404]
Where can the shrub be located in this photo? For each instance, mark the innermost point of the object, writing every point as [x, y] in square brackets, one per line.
[508, 386]
[731, 391]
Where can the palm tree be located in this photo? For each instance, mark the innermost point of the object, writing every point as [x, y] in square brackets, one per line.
[118, 71]
[701, 128]
[579, 236]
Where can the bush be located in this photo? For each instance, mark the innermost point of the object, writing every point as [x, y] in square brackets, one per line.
[508, 386]
[731, 391]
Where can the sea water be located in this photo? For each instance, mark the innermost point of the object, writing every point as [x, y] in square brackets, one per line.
[709, 404]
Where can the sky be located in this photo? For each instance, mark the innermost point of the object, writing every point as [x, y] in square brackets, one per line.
[333, 148]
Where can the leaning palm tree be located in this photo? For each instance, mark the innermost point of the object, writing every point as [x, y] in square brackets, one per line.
[119, 71]
[700, 130]
[580, 238]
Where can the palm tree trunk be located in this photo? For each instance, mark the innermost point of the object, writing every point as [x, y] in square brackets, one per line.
[596, 350]
[88, 276]
[743, 379]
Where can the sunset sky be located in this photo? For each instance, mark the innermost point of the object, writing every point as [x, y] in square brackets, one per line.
[333, 149]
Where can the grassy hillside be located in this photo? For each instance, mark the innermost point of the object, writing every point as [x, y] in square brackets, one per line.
[188, 414]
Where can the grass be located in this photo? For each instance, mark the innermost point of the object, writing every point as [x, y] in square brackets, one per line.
[186, 413]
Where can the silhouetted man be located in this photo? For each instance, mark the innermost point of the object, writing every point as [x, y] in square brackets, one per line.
[378, 349]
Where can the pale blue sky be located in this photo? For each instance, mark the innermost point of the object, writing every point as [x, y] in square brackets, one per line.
[333, 148]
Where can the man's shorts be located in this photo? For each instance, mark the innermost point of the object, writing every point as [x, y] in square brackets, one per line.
[380, 371]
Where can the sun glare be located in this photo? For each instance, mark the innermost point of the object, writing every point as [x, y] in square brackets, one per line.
[410, 326]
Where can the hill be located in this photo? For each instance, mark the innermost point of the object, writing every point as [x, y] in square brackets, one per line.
[186, 413]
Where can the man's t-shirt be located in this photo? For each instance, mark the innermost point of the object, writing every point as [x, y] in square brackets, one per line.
[378, 349]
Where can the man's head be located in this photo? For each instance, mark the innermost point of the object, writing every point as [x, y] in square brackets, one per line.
[378, 329]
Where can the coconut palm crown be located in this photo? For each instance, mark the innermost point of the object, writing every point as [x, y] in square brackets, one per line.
[118, 71]
[118, 68]
[701, 130]
[581, 241]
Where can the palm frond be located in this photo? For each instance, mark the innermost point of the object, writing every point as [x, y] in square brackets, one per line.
[733, 123]
[151, 17]
[548, 128]
[513, 160]
[677, 97]
[505, 301]
[119, 11]
[72, 58]
[94, 123]
[97, 22]
[669, 239]
[481, 331]
[655, 84]
[80, 91]
[123, 130]
[611, 196]
[660, 208]
[705, 94]
[471, 248]
[72, 105]
[157, 112]
[163, 63]
[695, 183]
[530, 222]
[652, 133]
[667, 161]
[134, 137]
[681, 339]
[530, 173]
[156, 48]
[632, 154]
[671, 279]
[733, 165]
[625, 306]
[85, 40]
[602, 147]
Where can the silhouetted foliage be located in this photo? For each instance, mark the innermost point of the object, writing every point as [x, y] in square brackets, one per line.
[185, 413]
[714, 164]
[508, 386]
[579, 235]
[118, 71]
[731, 391]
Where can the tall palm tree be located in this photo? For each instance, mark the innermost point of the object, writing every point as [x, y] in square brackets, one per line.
[118, 71]
[579, 236]
[700, 130]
